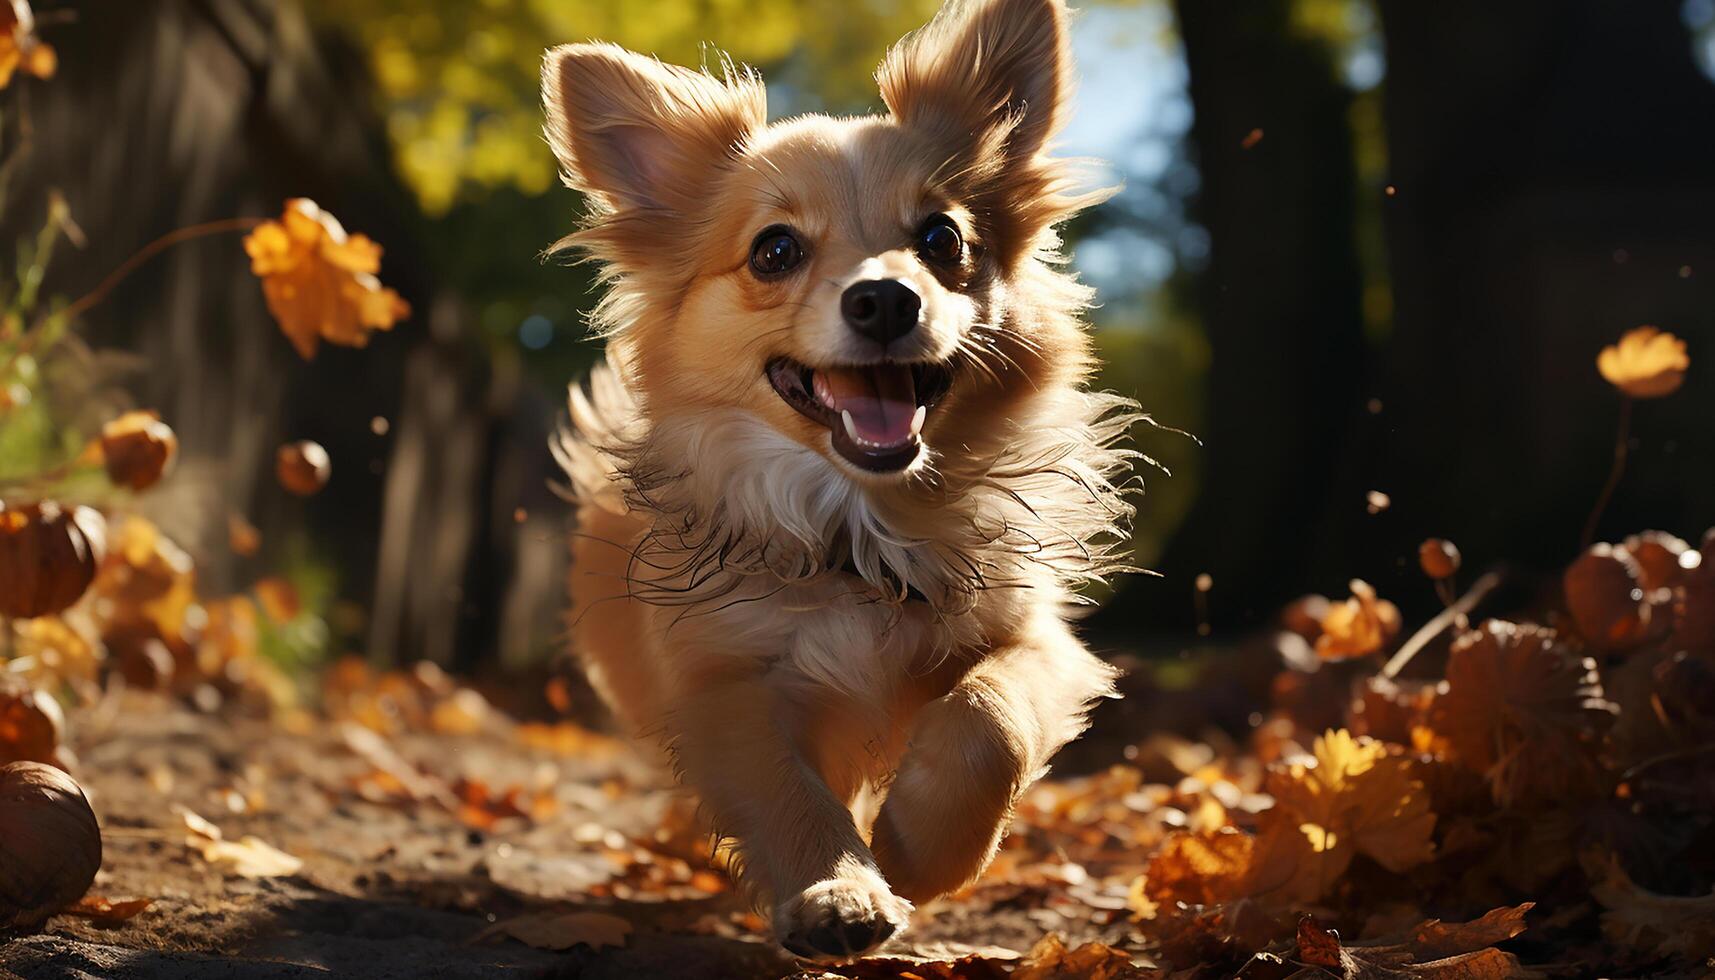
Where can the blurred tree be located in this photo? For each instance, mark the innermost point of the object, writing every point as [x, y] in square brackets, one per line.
[1281, 301]
[459, 79]
[1555, 172]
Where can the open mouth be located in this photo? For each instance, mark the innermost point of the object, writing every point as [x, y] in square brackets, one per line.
[874, 411]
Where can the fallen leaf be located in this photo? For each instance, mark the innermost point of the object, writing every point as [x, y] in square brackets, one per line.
[250, 857]
[1525, 710]
[1050, 959]
[1203, 868]
[1353, 797]
[1444, 952]
[100, 909]
[562, 930]
[1665, 925]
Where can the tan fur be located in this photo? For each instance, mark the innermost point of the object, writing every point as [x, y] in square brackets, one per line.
[710, 604]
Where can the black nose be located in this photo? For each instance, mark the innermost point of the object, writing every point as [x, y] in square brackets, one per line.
[881, 309]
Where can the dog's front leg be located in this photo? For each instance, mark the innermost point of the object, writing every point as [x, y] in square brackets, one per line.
[973, 752]
[736, 747]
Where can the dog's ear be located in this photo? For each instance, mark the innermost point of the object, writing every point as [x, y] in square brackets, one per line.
[638, 134]
[985, 71]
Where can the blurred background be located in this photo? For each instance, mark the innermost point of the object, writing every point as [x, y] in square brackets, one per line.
[1363, 248]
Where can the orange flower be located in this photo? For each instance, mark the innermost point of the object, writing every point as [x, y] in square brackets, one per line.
[319, 282]
[19, 46]
[1646, 363]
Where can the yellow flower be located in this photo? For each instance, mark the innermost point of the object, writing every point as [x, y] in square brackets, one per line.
[19, 46]
[1646, 363]
[320, 282]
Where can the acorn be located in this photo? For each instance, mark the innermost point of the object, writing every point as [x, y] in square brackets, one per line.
[1439, 558]
[303, 467]
[1605, 594]
[50, 844]
[48, 556]
[137, 449]
[31, 724]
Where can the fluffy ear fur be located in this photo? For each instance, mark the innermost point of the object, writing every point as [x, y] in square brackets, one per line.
[985, 71]
[636, 134]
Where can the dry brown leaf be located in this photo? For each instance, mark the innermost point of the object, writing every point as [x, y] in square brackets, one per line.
[102, 909]
[1050, 959]
[320, 282]
[250, 857]
[1664, 925]
[1203, 868]
[1352, 798]
[1358, 627]
[1460, 951]
[1524, 710]
[562, 930]
[1392, 710]
[1648, 362]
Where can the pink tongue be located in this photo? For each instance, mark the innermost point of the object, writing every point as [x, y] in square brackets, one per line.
[881, 399]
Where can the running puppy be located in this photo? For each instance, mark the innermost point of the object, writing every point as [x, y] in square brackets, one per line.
[841, 476]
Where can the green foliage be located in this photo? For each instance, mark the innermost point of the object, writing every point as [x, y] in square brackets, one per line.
[458, 79]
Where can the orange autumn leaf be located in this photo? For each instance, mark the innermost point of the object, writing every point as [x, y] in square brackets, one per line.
[1359, 626]
[100, 909]
[1204, 868]
[1353, 797]
[320, 282]
[20, 49]
[1647, 363]
[1051, 959]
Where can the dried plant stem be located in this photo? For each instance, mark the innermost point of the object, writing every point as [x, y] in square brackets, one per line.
[1447, 617]
[90, 299]
[1621, 449]
[149, 251]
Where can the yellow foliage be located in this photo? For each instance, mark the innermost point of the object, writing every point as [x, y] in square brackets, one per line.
[458, 80]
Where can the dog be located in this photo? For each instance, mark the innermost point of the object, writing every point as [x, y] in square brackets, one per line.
[841, 477]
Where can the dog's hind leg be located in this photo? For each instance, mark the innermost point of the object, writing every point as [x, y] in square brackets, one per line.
[973, 752]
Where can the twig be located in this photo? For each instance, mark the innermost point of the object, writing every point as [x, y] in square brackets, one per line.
[1621, 448]
[83, 303]
[149, 251]
[1445, 618]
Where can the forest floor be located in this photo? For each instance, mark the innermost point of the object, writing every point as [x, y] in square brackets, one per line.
[409, 860]
[1332, 799]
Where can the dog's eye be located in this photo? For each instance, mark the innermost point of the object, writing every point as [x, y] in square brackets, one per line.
[939, 241]
[775, 251]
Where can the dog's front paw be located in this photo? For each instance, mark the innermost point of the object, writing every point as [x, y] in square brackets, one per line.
[841, 917]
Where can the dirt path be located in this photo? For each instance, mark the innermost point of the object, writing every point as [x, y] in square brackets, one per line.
[392, 886]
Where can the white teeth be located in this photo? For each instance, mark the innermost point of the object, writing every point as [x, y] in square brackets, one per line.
[917, 419]
[851, 427]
